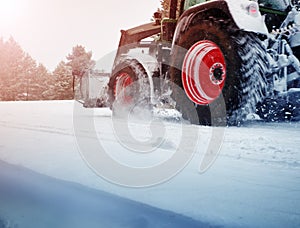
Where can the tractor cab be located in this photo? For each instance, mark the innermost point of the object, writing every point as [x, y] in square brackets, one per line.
[211, 50]
[190, 3]
[275, 12]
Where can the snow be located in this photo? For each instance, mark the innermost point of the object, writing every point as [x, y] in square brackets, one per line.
[254, 182]
[38, 201]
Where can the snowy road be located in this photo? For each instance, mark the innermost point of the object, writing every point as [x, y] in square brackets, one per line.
[40, 201]
[255, 181]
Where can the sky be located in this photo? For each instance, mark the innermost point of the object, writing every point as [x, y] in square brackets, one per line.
[48, 29]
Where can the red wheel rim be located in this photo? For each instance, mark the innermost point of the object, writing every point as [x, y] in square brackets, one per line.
[204, 72]
[123, 80]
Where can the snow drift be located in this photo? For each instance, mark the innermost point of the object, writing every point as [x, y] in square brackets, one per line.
[255, 181]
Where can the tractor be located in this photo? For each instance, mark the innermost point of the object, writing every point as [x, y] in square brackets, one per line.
[215, 61]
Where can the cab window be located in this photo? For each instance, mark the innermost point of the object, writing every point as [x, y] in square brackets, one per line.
[274, 4]
[189, 3]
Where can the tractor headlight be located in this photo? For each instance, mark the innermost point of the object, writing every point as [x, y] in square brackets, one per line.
[252, 8]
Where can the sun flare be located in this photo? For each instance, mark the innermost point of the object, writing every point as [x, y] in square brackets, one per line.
[9, 11]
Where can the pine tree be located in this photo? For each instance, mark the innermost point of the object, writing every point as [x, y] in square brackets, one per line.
[2, 66]
[63, 86]
[12, 70]
[25, 79]
[20, 76]
[2, 57]
[41, 83]
[80, 62]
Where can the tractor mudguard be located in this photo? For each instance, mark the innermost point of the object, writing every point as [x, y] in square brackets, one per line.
[242, 14]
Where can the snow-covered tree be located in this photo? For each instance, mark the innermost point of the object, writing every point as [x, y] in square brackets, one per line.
[25, 79]
[63, 85]
[80, 62]
[41, 83]
[20, 76]
[12, 57]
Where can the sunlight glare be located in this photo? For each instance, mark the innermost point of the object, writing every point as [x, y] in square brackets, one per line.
[9, 11]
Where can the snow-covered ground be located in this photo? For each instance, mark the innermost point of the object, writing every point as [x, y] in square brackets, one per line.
[254, 182]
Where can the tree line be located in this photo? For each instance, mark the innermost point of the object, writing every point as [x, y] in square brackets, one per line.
[22, 78]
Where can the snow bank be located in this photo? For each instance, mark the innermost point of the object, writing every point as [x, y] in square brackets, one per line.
[255, 181]
[29, 200]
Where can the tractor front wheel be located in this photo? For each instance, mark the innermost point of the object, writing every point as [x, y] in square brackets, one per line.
[125, 86]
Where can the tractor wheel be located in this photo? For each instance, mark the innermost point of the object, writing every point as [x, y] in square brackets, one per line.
[210, 63]
[124, 86]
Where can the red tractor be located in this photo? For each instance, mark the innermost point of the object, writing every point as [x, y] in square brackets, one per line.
[214, 58]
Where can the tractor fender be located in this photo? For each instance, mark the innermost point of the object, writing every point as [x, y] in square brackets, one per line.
[235, 11]
[151, 66]
[148, 62]
[240, 11]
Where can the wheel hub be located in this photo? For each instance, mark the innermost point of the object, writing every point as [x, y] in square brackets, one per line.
[217, 73]
[122, 81]
[204, 72]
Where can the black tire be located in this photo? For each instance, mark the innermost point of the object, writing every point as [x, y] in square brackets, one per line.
[134, 93]
[131, 67]
[246, 64]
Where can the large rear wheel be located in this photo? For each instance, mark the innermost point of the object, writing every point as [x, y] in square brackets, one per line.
[219, 66]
